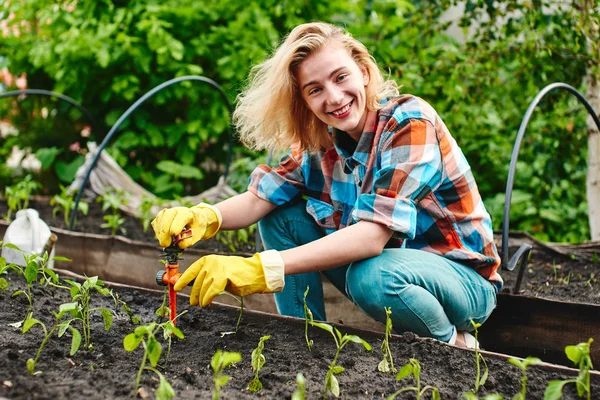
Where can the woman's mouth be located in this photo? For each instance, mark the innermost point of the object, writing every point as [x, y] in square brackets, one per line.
[343, 111]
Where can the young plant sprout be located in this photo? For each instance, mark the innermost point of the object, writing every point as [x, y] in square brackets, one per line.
[308, 318]
[35, 270]
[473, 396]
[65, 202]
[412, 367]
[387, 364]
[239, 320]
[523, 365]
[331, 382]
[479, 378]
[300, 393]
[221, 360]
[258, 360]
[81, 294]
[580, 356]
[17, 196]
[145, 213]
[146, 336]
[113, 199]
[62, 328]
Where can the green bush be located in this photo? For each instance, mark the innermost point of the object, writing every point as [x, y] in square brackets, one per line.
[107, 54]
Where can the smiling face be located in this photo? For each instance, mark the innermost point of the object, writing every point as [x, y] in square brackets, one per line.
[333, 87]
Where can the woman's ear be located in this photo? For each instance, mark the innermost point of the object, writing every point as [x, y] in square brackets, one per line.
[366, 76]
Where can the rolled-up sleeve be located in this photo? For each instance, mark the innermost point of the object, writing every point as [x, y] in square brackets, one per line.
[281, 184]
[410, 167]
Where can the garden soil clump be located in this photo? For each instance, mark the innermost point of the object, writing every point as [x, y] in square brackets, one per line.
[109, 371]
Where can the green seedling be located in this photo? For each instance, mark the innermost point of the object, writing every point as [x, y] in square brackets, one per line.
[114, 222]
[58, 325]
[480, 378]
[592, 280]
[81, 295]
[4, 267]
[237, 239]
[65, 202]
[331, 383]
[239, 320]
[17, 196]
[580, 356]
[300, 393]
[146, 336]
[145, 213]
[387, 364]
[308, 318]
[258, 360]
[523, 365]
[35, 270]
[412, 367]
[113, 199]
[221, 360]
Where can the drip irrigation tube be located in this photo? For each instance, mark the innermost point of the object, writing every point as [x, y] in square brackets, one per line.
[131, 109]
[513, 164]
[60, 96]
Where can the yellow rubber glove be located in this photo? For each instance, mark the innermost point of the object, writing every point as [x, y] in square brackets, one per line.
[204, 220]
[261, 273]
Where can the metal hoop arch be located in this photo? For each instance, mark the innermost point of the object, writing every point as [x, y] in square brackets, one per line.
[515, 153]
[60, 96]
[131, 109]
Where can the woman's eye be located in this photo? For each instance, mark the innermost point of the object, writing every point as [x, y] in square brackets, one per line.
[313, 91]
[342, 77]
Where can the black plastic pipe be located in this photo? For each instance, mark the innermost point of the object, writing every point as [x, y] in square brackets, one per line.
[517, 146]
[130, 110]
[60, 96]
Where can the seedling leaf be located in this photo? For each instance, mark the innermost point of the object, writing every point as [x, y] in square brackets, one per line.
[334, 385]
[383, 366]
[405, 371]
[3, 284]
[17, 293]
[163, 311]
[326, 327]
[356, 339]
[107, 318]
[76, 341]
[255, 385]
[132, 341]
[222, 380]
[30, 365]
[574, 353]
[67, 308]
[154, 351]
[165, 390]
[29, 322]
[31, 272]
[230, 358]
[554, 390]
[62, 328]
[337, 369]
[61, 258]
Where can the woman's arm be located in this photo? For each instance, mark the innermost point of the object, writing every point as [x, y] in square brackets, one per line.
[356, 242]
[243, 210]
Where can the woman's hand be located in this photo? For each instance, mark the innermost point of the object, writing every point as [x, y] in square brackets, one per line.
[241, 276]
[204, 220]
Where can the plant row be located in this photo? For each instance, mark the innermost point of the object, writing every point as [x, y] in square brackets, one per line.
[74, 317]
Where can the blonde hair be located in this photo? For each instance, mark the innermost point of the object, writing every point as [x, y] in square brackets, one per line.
[271, 113]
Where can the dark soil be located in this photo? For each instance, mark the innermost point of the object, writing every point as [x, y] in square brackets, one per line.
[549, 275]
[109, 371]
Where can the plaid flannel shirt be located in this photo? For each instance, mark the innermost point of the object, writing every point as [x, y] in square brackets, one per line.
[406, 173]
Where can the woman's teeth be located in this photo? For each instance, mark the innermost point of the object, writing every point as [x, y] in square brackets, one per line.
[342, 110]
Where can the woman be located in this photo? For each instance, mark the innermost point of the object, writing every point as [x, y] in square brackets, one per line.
[375, 194]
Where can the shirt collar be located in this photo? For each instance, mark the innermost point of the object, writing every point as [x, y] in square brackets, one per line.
[363, 147]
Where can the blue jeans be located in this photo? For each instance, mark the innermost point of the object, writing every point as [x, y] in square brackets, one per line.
[428, 294]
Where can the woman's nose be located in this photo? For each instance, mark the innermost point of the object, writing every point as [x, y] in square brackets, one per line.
[334, 96]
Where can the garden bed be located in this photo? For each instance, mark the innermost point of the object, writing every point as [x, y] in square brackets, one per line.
[109, 371]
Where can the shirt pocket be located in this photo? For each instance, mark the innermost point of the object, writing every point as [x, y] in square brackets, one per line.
[322, 212]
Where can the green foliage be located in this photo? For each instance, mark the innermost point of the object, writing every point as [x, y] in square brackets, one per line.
[221, 360]
[257, 362]
[237, 239]
[331, 383]
[580, 356]
[480, 82]
[17, 196]
[523, 365]
[480, 378]
[146, 335]
[308, 318]
[65, 202]
[144, 211]
[112, 200]
[387, 364]
[413, 367]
